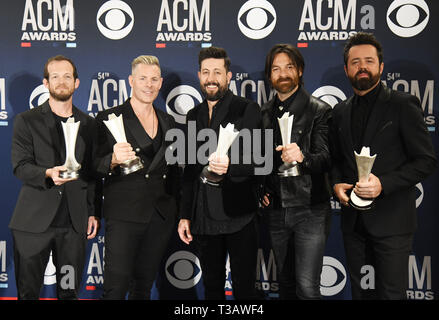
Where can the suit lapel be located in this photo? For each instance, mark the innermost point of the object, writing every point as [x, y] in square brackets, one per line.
[133, 127]
[221, 111]
[346, 129]
[267, 115]
[55, 140]
[80, 143]
[164, 126]
[379, 109]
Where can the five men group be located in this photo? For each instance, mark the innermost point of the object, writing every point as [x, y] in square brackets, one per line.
[55, 214]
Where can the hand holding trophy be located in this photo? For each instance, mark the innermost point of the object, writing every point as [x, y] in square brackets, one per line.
[285, 126]
[364, 167]
[226, 137]
[70, 129]
[115, 125]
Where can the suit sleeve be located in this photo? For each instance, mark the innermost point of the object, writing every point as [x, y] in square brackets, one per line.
[421, 158]
[318, 159]
[22, 157]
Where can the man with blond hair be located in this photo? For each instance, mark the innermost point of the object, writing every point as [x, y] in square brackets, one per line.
[139, 207]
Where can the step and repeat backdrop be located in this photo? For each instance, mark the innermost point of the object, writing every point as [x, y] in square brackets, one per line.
[102, 38]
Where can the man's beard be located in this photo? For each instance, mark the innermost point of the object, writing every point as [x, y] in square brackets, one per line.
[363, 84]
[63, 97]
[222, 90]
[285, 85]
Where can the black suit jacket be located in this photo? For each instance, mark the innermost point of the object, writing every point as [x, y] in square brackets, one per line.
[37, 146]
[397, 134]
[237, 196]
[134, 197]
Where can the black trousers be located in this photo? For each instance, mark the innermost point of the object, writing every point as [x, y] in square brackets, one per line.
[133, 253]
[242, 247]
[31, 255]
[389, 258]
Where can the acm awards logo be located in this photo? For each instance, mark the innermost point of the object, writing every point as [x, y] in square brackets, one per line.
[48, 21]
[115, 19]
[256, 19]
[183, 21]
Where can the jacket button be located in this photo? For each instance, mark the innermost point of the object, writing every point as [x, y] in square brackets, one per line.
[146, 176]
[137, 149]
[60, 192]
[164, 176]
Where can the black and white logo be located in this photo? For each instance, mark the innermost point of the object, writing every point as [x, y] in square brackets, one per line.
[257, 19]
[333, 277]
[38, 96]
[330, 94]
[183, 269]
[407, 18]
[180, 100]
[115, 19]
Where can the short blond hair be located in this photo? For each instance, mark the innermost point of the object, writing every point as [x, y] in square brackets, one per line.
[145, 59]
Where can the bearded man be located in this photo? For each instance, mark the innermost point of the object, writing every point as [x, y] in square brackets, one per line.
[297, 207]
[391, 124]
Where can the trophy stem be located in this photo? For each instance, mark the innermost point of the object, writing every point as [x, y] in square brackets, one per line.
[289, 170]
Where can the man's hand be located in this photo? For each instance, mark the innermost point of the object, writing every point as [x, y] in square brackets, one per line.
[184, 230]
[290, 153]
[53, 173]
[93, 227]
[370, 189]
[340, 191]
[122, 152]
[218, 164]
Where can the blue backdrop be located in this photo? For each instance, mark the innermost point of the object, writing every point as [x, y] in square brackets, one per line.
[103, 37]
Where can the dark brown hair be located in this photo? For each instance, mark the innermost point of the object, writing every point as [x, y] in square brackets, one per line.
[362, 38]
[216, 53]
[59, 58]
[292, 52]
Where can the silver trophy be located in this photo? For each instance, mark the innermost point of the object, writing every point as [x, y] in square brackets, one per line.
[70, 129]
[115, 125]
[290, 169]
[226, 137]
[364, 166]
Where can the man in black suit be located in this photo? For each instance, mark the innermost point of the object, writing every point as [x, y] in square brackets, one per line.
[391, 124]
[139, 208]
[298, 209]
[52, 213]
[222, 218]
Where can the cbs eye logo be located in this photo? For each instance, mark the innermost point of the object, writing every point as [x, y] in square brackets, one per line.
[333, 277]
[256, 19]
[38, 96]
[407, 18]
[183, 270]
[180, 100]
[115, 19]
[331, 95]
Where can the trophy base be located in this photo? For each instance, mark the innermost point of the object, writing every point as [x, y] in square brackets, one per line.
[131, 166]
[69, 174]
[210, 178]
[360, 203]
[289, 170]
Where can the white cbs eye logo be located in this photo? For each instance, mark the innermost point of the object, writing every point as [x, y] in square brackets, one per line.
[420, 197]
[38, 96]
[183, 269]
[180, 100]
[407, 18]
[50, 272]
[331, 95]
[333, 277]
[115, 19]
[256, 19]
